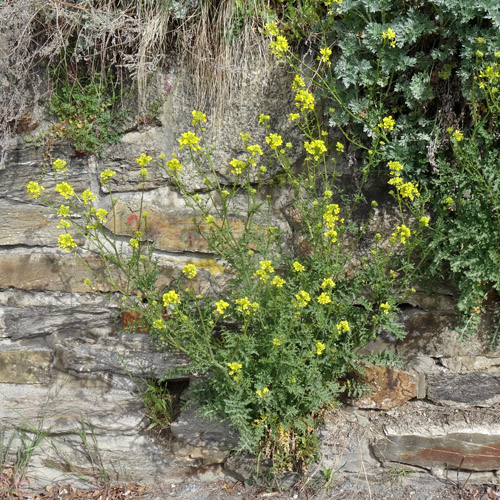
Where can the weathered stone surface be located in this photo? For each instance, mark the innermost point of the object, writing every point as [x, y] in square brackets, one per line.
[25, 365]
[28, 224]
[125, 358]
[465, 451]
[60, 271]
[464, 390]
[465, 364]
[26, 164]
[344, 443]
[27, 315]
[171, 231]
[434, 334]
[213, 439]
[391, 387]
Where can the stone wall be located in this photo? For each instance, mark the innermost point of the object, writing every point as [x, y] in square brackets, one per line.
[69, 370]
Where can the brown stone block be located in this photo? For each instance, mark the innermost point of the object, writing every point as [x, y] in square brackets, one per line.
[391, 387]
[174, 232]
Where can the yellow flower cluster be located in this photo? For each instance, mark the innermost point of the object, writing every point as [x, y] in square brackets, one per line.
[175, 165]
[278, 282]
[320, 347]
[34, 190]
[279, 47]
[325, 56]
[198, 117]
[65, 190]
[106, 174]
[343, 326]
[190, 271]
[276, 342]
[303, 298]
[390, 36]
[298, 267]
[159, 324]
[405, 189]
[238, 166]
[171, 297]
[143, 160]
[261, 393]
[66, 241]
[245, 306]
[235, 370]
[385, 307]
[327, 282]
[304, 100]
[387, 123]
[402, 232]
[274, 141]
[221, 306]
[265, 270]
[331, 217]
[324, 298]
[189, 140]
[298, 83]
[88, 197]
[315, 148]
[59, 165]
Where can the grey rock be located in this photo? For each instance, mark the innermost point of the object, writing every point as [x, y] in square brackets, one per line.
[465, 390]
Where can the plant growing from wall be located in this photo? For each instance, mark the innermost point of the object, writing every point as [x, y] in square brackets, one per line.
[280, 343]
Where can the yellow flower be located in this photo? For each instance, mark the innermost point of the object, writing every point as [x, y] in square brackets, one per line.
[343, 326]
[387, 123]
[254, 149]
[457, 135]
[324, 298]
[279, 46]
[320, 347]
[171, 297]
[390, 35]
[143, 160]
[175, 165]
[325, 55]
[65, 190]
[304, 100]
[66, 241]
[235, 370]
[245, 306]
[266, 265]
[190, 140]
[88, 197]
[63, 224]
[106, 174]
[261, 393]
[424, 220]
[395, 167]
[63, 211]
[101, 213]
[238, 166]
[274, 141]
[278, 282]
[221, 306]
[303, 298]
[133, 242]
[190, 271]
[293, 116]
[263, 119]
[60, 165]
[327, 194]
[298, 82]
[87, 282]
[315, 148]
[34, 190]
[402, 232]
[327, 282]
[159, 324]
[276, 342]
[209, 219]
[385, 307]
[143, 172]
[272, 29]
[409, 190]
[198, 117]
[340, 147]
[298, 267]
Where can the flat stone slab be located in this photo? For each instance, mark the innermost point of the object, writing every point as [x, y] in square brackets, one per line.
[464, 451]
[25, 366]
[464, 390]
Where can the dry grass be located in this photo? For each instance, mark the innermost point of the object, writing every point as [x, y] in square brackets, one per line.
[129, 38]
